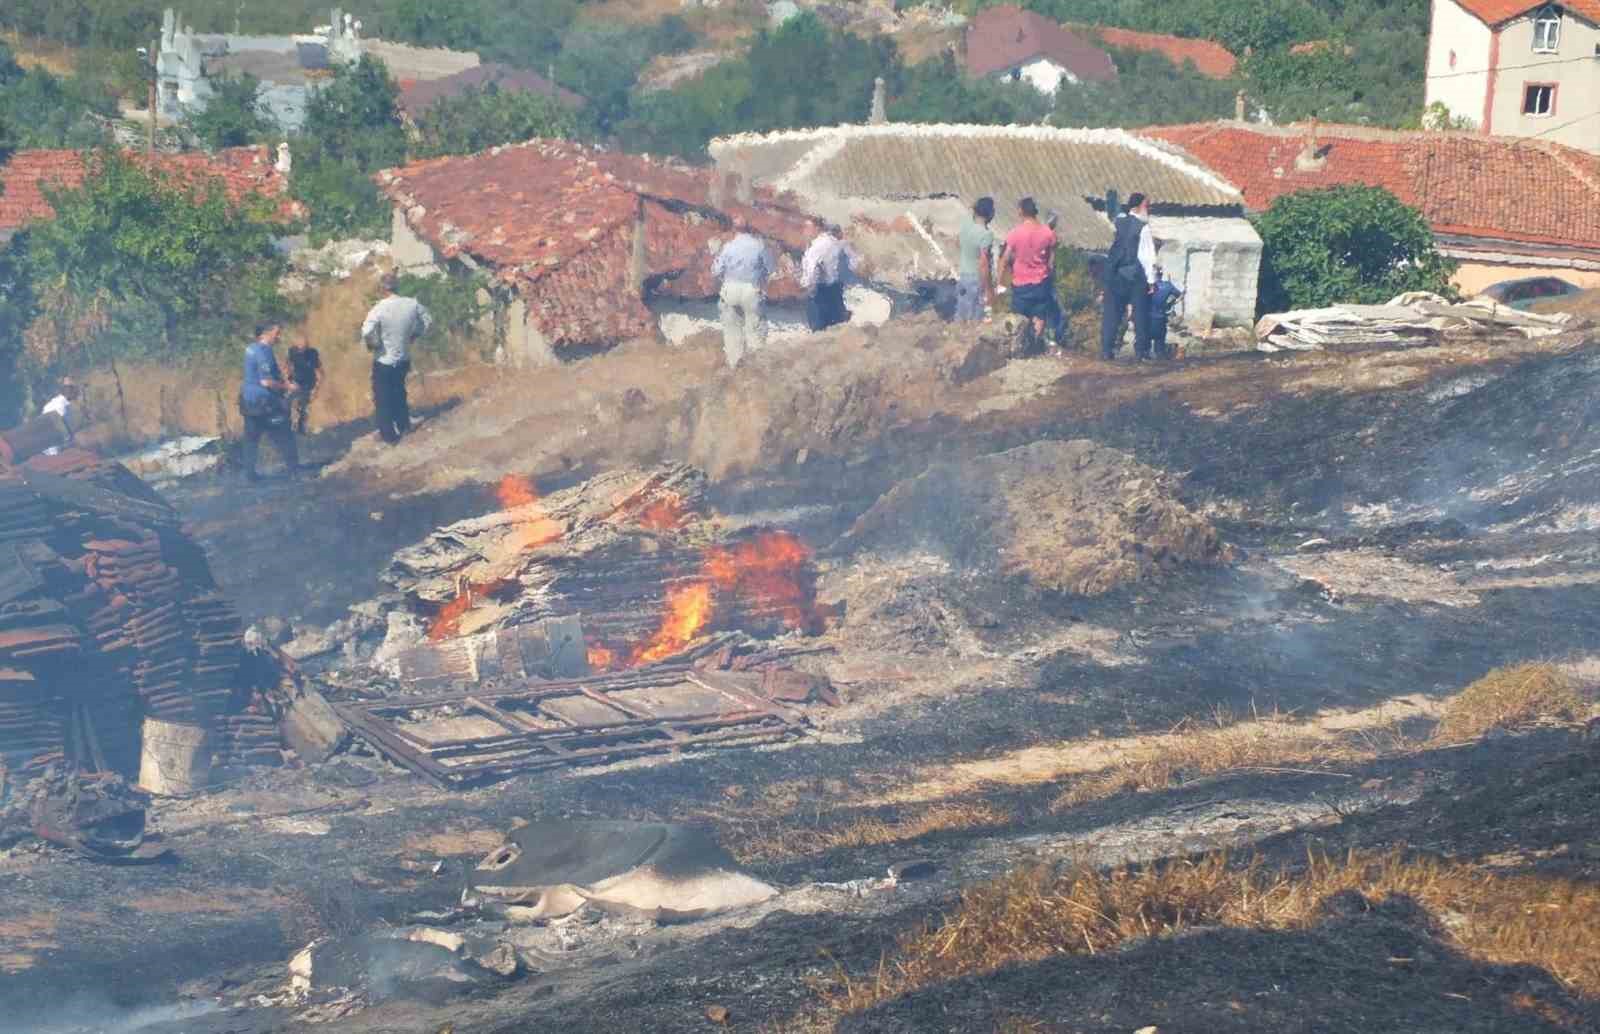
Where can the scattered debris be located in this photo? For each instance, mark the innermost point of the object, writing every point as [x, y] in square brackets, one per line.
[1413, 319]
[554, 867]
[178, 458]
[718, 1014]
[98, 816]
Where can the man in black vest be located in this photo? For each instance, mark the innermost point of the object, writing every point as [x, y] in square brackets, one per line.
[1129, 278]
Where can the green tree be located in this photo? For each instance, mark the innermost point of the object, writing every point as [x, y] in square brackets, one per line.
[48, 111]
[1149, 90]
[938, 90]
[355, 118]
[799, 74]
[1346, 244]
[352, 129]
[171, 265]
[603, 64]
[483, 118]
[234, 115]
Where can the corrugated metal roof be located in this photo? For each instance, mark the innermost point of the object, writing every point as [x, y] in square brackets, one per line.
[1059, 168]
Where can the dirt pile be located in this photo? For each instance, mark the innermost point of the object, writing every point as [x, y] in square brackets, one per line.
[1070, 517]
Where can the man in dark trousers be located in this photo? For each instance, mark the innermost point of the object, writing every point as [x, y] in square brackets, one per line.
[1130, 278]
[305, 369]
[264, 402]
[390, 328]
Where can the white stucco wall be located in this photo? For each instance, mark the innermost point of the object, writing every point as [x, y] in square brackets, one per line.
[1463, 84]
[1217, 262]
[1574, 68]
[681, 320]
[1044, 76]
[411, 254]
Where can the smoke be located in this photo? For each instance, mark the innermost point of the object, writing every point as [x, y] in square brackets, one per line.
[94, 1014]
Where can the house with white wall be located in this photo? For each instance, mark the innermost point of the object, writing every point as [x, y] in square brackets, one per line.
[1519, 68]
[1011, 44]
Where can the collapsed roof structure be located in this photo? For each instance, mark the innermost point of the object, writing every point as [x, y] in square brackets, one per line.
[931, 174]
[584, 240]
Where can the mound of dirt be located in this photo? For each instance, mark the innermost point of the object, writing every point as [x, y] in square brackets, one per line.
[1071, 517]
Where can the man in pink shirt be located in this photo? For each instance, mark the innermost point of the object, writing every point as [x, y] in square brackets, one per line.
[1030, 251]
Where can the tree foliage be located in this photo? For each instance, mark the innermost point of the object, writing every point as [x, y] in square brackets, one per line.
[939, 90]
[1149, 90]
[234, 115]
[352, 129]
[603, 64]
[484, 118]
[136, 261]
[1346, 244]
[45, 110]
[802, 73]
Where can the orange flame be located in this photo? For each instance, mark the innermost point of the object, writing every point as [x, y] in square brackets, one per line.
[688, 610]
[514, 491]
[772, 571]
[665, 514]
[601, 657]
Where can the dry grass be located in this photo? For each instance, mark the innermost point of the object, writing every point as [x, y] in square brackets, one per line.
[55, 58]
[780, 838]
[1264, 745]
[1508, 697]
[1036, 913]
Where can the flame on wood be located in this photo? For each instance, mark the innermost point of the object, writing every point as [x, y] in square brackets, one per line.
[773, 570]
[516, 492]
[446, 623]
[688, 611]
[667, 513]
[601, 657]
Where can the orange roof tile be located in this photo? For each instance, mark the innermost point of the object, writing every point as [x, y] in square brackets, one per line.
[1493, 12]
[242, 170]
[1470, 185]
[556, 218]
[1210, 59]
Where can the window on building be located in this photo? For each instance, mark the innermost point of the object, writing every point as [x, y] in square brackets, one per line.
[1547, 31]
[1539, 99]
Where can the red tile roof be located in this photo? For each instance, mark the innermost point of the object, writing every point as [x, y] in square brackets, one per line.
[417, 97]
[1210, 59]
[242, 170]
[1493, 12]
[555, 219]
[1000, 38]
[1468, 185]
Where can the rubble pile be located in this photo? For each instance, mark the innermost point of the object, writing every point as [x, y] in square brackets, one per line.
[1071, 517]
[109, 615]
[1413, 319]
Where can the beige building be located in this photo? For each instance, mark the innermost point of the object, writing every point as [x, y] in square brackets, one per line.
[1514, 68]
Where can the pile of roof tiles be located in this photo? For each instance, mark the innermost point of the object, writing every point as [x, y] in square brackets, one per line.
[109, 615]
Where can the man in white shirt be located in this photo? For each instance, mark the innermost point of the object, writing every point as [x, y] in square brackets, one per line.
[1129, 280]
[64, 405]
[388, 331]
[744, 266]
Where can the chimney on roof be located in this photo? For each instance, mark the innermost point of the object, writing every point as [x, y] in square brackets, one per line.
[285, 160]
[1310, 158]
[1238, 106]
[636, 260]
[879, 114]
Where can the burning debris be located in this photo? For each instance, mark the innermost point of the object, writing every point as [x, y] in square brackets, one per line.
[634, 553]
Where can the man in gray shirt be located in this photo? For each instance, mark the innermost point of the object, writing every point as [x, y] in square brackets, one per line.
[743, 265]
[975, 281]
[388, 331]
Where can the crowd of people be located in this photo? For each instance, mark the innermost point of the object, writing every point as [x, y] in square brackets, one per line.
[278, 407]
[1130, 279]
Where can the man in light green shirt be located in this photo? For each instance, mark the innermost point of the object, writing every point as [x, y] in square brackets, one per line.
[975, 285]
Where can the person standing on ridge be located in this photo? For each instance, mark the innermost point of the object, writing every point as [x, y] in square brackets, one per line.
[1129, 279]
[388, 331]
[305, 369]
[264, 402]
[975, 277]
[1030, 252]
[744, 267]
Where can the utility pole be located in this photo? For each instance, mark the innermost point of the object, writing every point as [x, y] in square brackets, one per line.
[150, 140]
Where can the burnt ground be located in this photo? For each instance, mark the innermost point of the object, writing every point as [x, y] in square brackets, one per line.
[1458, 513]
